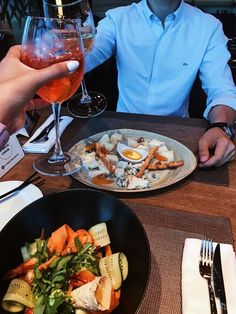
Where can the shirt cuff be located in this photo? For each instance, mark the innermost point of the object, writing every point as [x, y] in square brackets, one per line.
[226, 101]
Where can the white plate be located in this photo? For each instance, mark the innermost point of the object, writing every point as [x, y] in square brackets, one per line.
[12, 204]
[167, 177]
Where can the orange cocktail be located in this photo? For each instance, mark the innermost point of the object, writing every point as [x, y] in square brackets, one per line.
[63, 88]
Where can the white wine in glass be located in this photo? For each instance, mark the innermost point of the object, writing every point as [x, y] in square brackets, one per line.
[46, 41]
[85, 104]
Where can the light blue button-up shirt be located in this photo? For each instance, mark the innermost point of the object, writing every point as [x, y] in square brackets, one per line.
[157, 65]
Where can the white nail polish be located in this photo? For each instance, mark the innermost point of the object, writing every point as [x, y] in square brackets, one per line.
[72, 65]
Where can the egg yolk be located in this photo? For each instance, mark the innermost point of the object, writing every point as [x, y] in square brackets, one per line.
[131, 154]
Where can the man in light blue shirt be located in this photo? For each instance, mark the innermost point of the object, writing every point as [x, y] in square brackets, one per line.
[160, 45]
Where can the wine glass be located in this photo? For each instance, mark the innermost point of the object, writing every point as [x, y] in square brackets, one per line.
[85, 104]
[46, 41]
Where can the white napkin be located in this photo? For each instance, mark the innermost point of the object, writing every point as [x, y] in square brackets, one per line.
[44, 147]
[22, 131]
[12, 204]
[195, 297]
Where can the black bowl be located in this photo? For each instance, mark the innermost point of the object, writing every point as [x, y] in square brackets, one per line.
[82, 208]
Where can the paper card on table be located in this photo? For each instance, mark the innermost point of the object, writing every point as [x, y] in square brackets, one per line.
[10, 155]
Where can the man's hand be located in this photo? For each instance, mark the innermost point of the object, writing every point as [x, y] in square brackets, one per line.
[215, 148]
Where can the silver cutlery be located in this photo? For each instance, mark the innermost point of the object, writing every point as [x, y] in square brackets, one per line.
[32, 179]
[219, 280]
[43, 135]
[205, 269]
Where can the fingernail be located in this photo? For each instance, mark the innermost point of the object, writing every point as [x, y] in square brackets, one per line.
[72, 65]
[203, 158]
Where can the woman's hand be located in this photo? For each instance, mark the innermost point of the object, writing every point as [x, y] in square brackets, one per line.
[19, 83]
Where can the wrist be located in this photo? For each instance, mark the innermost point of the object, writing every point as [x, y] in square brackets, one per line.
[4, 135]
[228, 128]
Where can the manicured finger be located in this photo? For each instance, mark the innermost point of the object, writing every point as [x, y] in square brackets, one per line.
[57, 70]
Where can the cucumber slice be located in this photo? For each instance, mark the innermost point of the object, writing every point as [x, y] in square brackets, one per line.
[100, 234]
[110, 266]
[25, 253]
[28, 250]
[123, 265]
[12, 306]
[19, 291]
[32, 248]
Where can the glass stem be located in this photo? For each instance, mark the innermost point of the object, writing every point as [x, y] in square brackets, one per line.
[58, 155]
[85, 96]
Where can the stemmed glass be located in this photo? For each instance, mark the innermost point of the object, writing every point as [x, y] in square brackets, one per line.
[85, 104]
[46, 41]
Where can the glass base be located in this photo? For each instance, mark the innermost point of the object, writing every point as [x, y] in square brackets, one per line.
[67, 166]
[81, 109]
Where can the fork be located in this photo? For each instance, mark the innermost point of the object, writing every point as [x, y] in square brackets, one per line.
[43, 138]
[33, 178]
[205, 267]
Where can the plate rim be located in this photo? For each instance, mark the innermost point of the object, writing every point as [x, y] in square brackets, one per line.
[152, 188]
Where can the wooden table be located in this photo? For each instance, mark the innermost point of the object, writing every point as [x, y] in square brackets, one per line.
[188, 195]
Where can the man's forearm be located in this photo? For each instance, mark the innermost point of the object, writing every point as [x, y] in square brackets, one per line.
[222, 113]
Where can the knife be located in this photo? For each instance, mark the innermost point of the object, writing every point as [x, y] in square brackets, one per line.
[44, 132]
[219, 280]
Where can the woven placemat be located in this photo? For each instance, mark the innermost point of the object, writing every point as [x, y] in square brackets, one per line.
[167, 230]
[163, 293]
[216, 176]
[167, 127]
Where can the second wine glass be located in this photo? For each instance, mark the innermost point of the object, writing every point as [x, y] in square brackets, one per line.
[85, 104]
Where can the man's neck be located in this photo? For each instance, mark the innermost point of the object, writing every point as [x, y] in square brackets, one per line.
[162, 8]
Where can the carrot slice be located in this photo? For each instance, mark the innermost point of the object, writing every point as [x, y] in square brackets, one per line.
[86, 275]
[47, 263]
[160, 157]
[108, 250]
[57, 241]
[23, 267]
[84, 236]
[83, 277]
[115, 297]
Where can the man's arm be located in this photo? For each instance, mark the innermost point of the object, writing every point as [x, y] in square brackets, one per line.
[222, 113]
[104, 46]
[216, 75]
[215, 147]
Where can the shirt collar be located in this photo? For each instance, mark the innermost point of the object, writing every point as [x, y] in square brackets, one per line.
[150, 16]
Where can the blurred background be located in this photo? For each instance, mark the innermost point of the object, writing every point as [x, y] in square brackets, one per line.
[104, 78]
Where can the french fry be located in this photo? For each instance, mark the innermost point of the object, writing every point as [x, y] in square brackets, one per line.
[147, 161]
[102, 156]
[167, 165]
[90, 148]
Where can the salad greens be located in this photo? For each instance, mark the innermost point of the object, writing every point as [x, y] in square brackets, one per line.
[51, 285]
